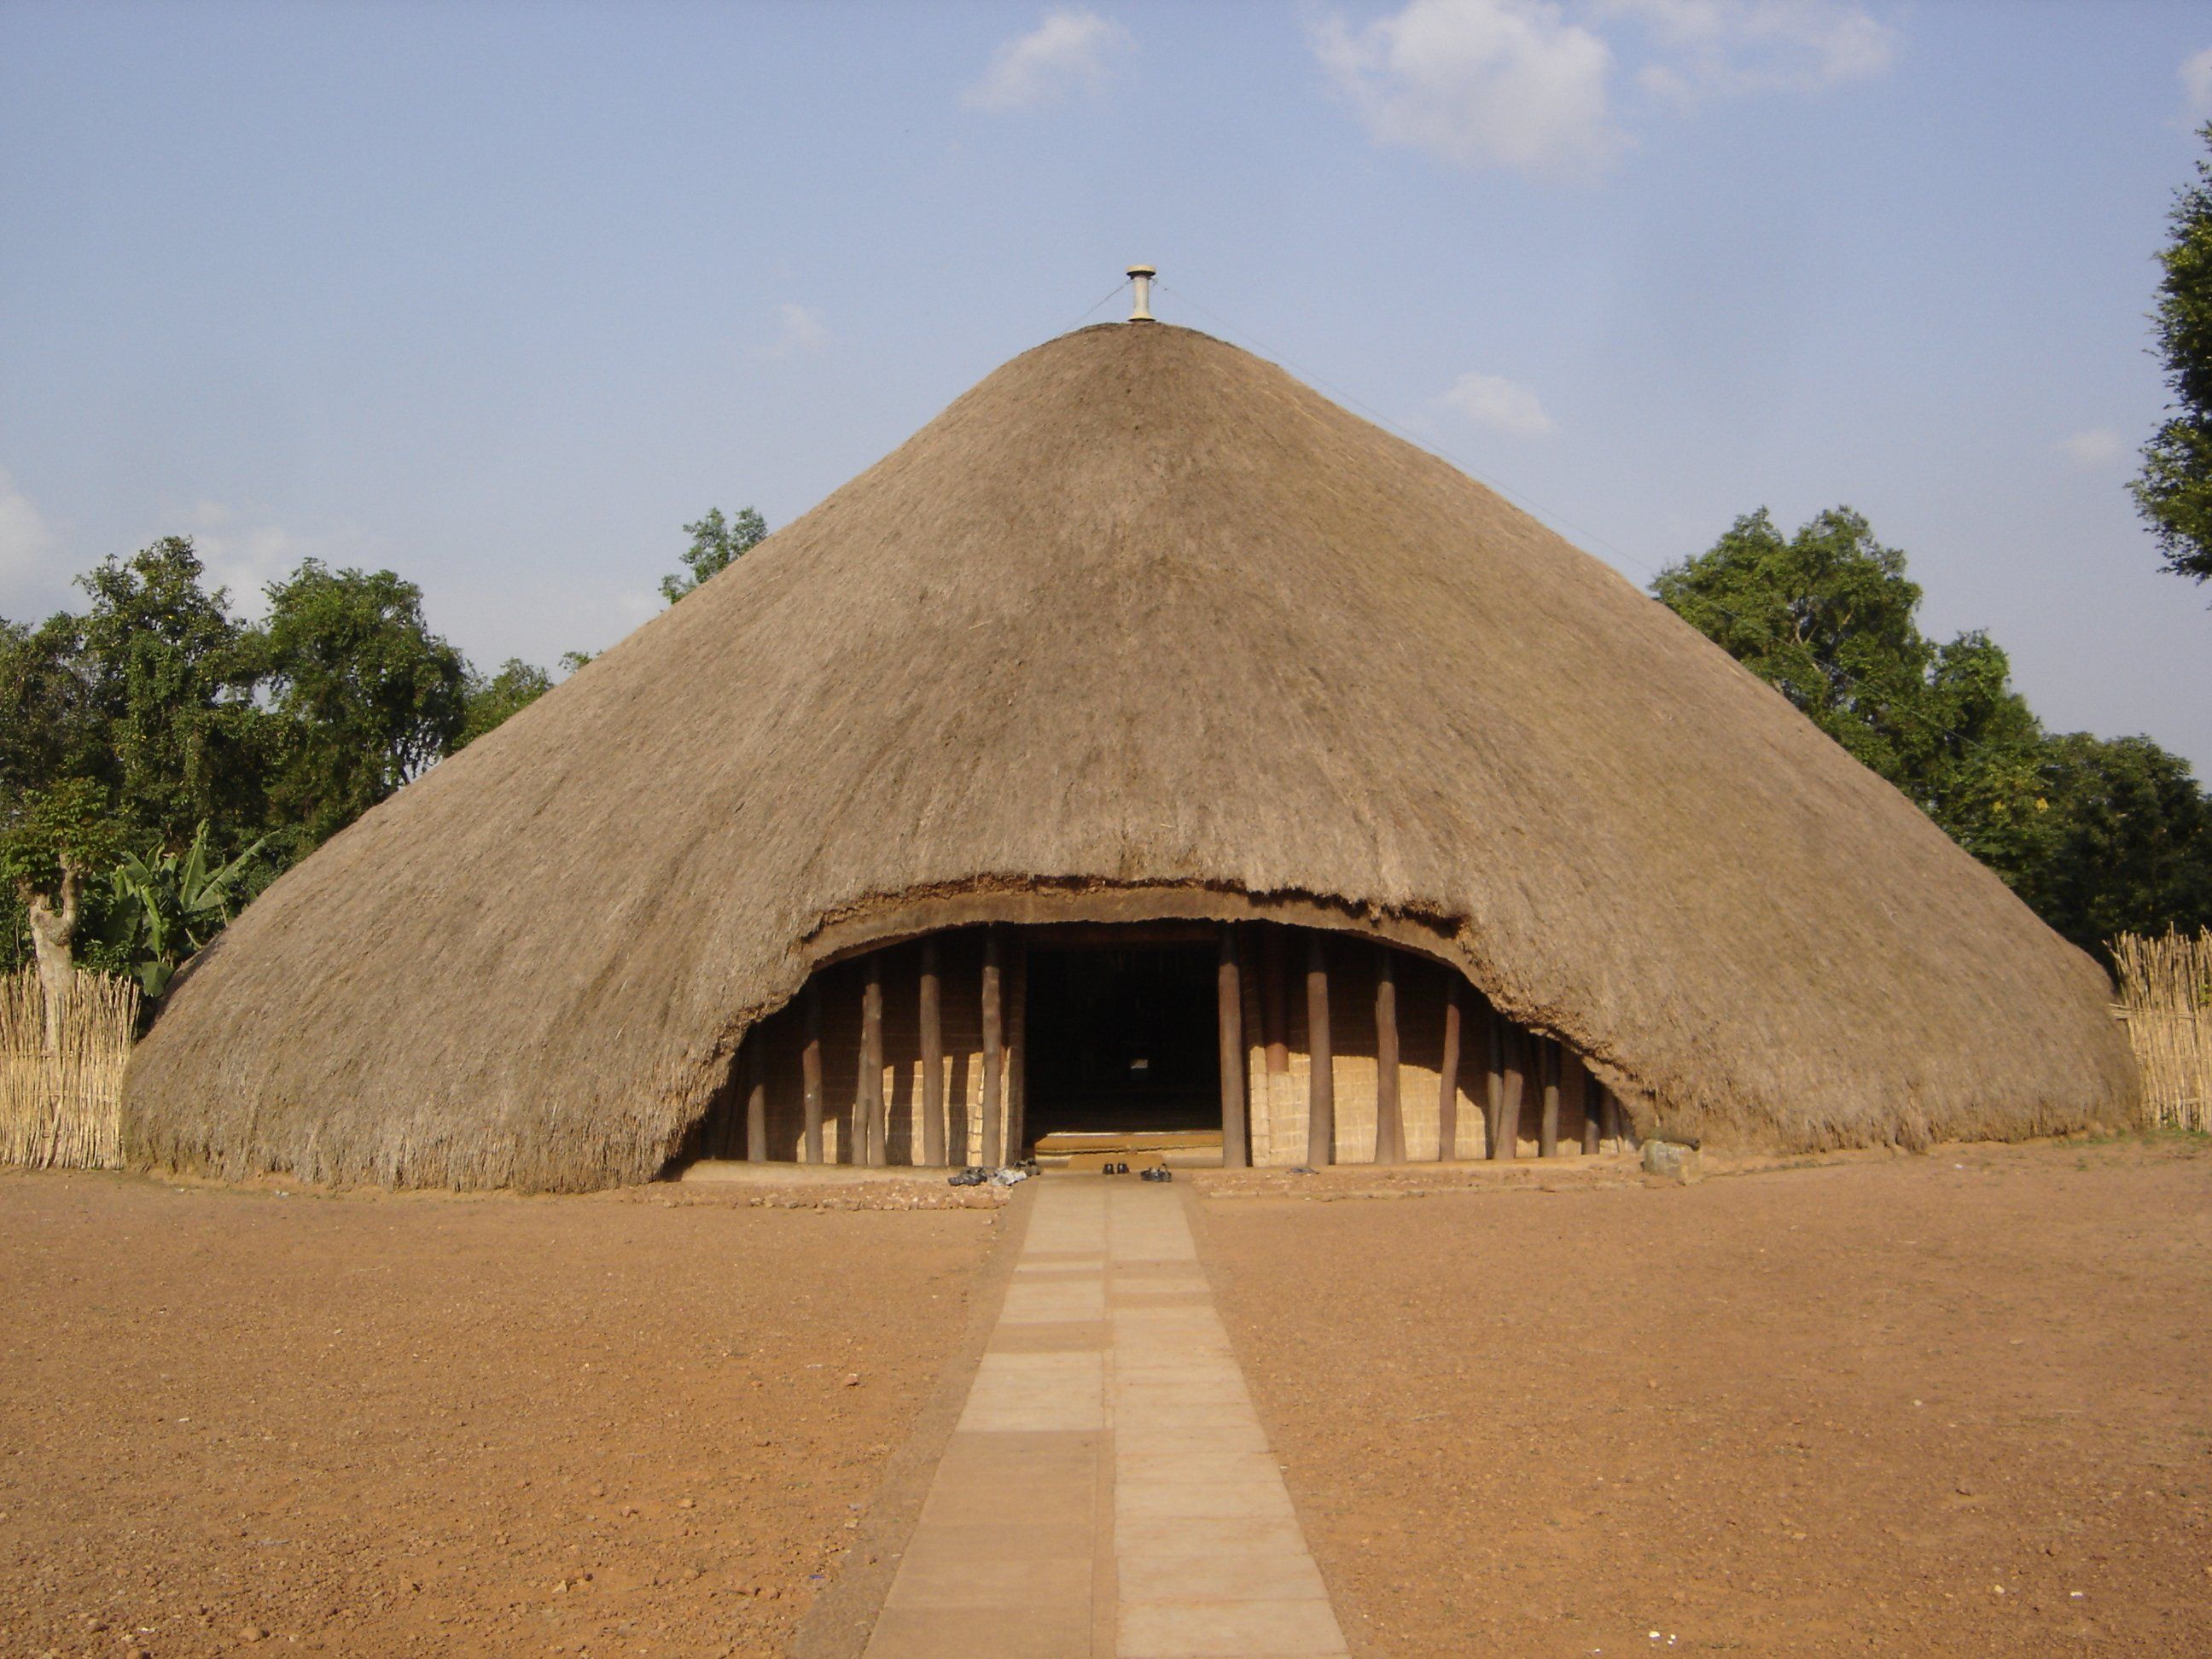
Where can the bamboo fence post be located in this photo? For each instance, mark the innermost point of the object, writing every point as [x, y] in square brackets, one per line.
[2166, 999]
[61, 1069]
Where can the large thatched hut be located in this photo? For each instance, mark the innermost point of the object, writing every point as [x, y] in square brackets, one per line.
[1146, 742]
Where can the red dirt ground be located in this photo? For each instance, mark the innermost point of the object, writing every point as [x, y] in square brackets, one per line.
[389, 1425]
[1951, 1404]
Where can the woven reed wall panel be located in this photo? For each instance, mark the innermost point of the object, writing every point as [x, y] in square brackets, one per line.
[960, 970]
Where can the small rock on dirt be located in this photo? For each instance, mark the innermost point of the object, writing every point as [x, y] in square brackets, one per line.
[1672, 1161]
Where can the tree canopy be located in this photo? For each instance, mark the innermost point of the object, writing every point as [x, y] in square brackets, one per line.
[2174, 488]
[2099, 837]
[716, 545]
[366, 693]
[488, 700]
[162, 760]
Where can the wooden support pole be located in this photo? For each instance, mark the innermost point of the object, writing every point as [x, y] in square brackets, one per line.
[870, 1130]
[1018, 1046]
[1321, 1078]
[1513, 1050]
[1447, 1075]
[995, 1054]
[1493, 1077]
[1389, 1121]
[1274, 1002]
[1547, 1068]
[755, 1077]
[932, 1058]
[1575, 1094]
[810, 1072]
[1228, 985]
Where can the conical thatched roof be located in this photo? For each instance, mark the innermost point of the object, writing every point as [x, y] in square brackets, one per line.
[1142, 622]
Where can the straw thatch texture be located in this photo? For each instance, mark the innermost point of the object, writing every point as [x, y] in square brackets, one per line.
[61, 1092]
[1139, 622]
[2166, 997]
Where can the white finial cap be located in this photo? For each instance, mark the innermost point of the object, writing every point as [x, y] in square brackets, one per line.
[1141, 310]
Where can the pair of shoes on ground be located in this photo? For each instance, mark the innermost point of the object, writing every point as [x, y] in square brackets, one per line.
[1162, 1173]
[1112, 1169]
[975, 1176]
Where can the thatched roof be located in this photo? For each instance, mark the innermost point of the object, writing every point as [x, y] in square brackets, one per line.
[1142, 622]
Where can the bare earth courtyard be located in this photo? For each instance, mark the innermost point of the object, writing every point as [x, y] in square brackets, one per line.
[1909, 1405]
[1946, 1403]
[423, 1424]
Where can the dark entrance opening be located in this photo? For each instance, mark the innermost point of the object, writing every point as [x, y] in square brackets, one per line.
[1123, 1040]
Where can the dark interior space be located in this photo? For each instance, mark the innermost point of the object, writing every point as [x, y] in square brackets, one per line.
[1123, 1040]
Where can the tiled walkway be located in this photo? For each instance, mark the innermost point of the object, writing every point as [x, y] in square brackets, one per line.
[1108, 1491]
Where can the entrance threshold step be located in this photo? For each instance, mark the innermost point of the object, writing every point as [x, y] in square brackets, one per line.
[1063, 1143]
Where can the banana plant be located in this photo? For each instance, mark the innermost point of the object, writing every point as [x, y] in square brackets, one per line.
[170, 906]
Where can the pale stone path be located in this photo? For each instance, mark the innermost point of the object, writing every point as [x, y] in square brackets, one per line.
[1109, 1490]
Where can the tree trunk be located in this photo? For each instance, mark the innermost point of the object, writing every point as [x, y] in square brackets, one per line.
[53, 932]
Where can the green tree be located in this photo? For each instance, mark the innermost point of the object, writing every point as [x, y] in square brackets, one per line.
[2127, 840]
[2174, 489]
[716, 545]
[51, 841]
[367, 695]
[2096, 836]
[1830, 619]
[49, 728]
[150, 692]
[490, 700]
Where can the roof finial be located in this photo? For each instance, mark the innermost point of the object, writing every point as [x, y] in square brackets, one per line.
[1141, 311]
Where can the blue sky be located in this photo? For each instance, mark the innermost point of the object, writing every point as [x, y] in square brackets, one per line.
[501, 295]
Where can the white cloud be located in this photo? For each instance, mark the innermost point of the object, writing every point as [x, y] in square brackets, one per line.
[2100, 447]
[1501, 405]
[1528, 84]
[2196, 84]
[1508, 83]
[1703, 47]
[1072, 50]
[26, 542]
[800, 329]
[243, 549]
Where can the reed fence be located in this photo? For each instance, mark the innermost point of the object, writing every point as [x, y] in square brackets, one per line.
[2166, 997]
[61, 1087]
